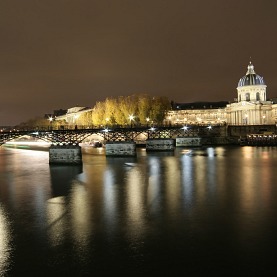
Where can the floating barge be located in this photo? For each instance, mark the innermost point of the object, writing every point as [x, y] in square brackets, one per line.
[259, 140]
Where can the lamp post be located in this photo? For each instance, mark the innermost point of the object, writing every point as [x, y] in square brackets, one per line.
[131, 117]
[50, 121]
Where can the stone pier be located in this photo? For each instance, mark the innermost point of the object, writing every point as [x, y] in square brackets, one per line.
[188, 141]
[65, 154]
[160, 144]
[120, 148]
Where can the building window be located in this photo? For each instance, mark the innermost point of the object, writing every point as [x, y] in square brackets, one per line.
[247, 96]
[258, 96]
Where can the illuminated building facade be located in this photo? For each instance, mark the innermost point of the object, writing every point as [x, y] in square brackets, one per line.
[201, 113]
[72, 115]
[251, 106]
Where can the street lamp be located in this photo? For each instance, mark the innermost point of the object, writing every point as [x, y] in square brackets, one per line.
[50, 121]
[131, 117]
[147, 120]
[263, 119]
[107, 121]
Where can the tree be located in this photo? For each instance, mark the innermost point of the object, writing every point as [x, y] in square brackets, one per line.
[119, 111]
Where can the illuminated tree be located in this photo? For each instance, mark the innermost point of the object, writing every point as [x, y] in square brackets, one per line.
[98, 114]
[159, 107]
[135, 109]
[85, 118]
[144, 108]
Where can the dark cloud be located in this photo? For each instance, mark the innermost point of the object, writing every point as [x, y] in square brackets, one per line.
[60, 53]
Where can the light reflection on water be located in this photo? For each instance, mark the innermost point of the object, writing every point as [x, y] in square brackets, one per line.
[162, 211]
[5, 242]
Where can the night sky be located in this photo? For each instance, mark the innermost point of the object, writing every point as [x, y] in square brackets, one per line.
[56, 54]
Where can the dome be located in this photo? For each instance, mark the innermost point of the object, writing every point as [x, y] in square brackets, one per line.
[251, 78]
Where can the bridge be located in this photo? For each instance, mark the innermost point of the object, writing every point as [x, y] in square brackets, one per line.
[137, 134]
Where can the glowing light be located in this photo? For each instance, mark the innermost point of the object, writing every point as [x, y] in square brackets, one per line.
[34, 143]
[131, 117]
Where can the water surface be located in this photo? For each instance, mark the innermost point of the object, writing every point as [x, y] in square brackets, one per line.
[191, 212]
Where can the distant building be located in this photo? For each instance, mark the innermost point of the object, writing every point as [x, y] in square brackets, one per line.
[59, 112]
[72, 114]
[197, 113]
[251, 106]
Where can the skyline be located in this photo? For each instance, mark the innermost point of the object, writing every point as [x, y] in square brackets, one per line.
[59, 54]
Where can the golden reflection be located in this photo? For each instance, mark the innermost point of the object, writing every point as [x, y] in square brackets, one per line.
[200, 178]
[250, 187]
[220, 151]
[4, 243]
[135, 188]
[173, 189]
[80, 217]
[247, 152]
[266, 179]
[56, 218]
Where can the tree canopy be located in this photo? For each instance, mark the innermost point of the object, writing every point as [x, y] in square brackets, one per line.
[130, 110]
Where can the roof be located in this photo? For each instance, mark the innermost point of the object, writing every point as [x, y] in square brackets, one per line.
[251, 78]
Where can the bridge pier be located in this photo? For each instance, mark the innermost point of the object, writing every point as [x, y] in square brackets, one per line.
[65, 154]
[188, 141]
[120, 148]
[160, 144]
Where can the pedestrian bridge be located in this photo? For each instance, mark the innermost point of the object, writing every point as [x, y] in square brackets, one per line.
[137, 134]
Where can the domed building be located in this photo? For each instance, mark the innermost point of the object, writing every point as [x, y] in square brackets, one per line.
[251, 107]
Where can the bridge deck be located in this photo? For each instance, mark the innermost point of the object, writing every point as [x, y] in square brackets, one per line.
[76, 136]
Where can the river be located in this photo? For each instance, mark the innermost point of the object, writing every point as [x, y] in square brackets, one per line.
[192, 212]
